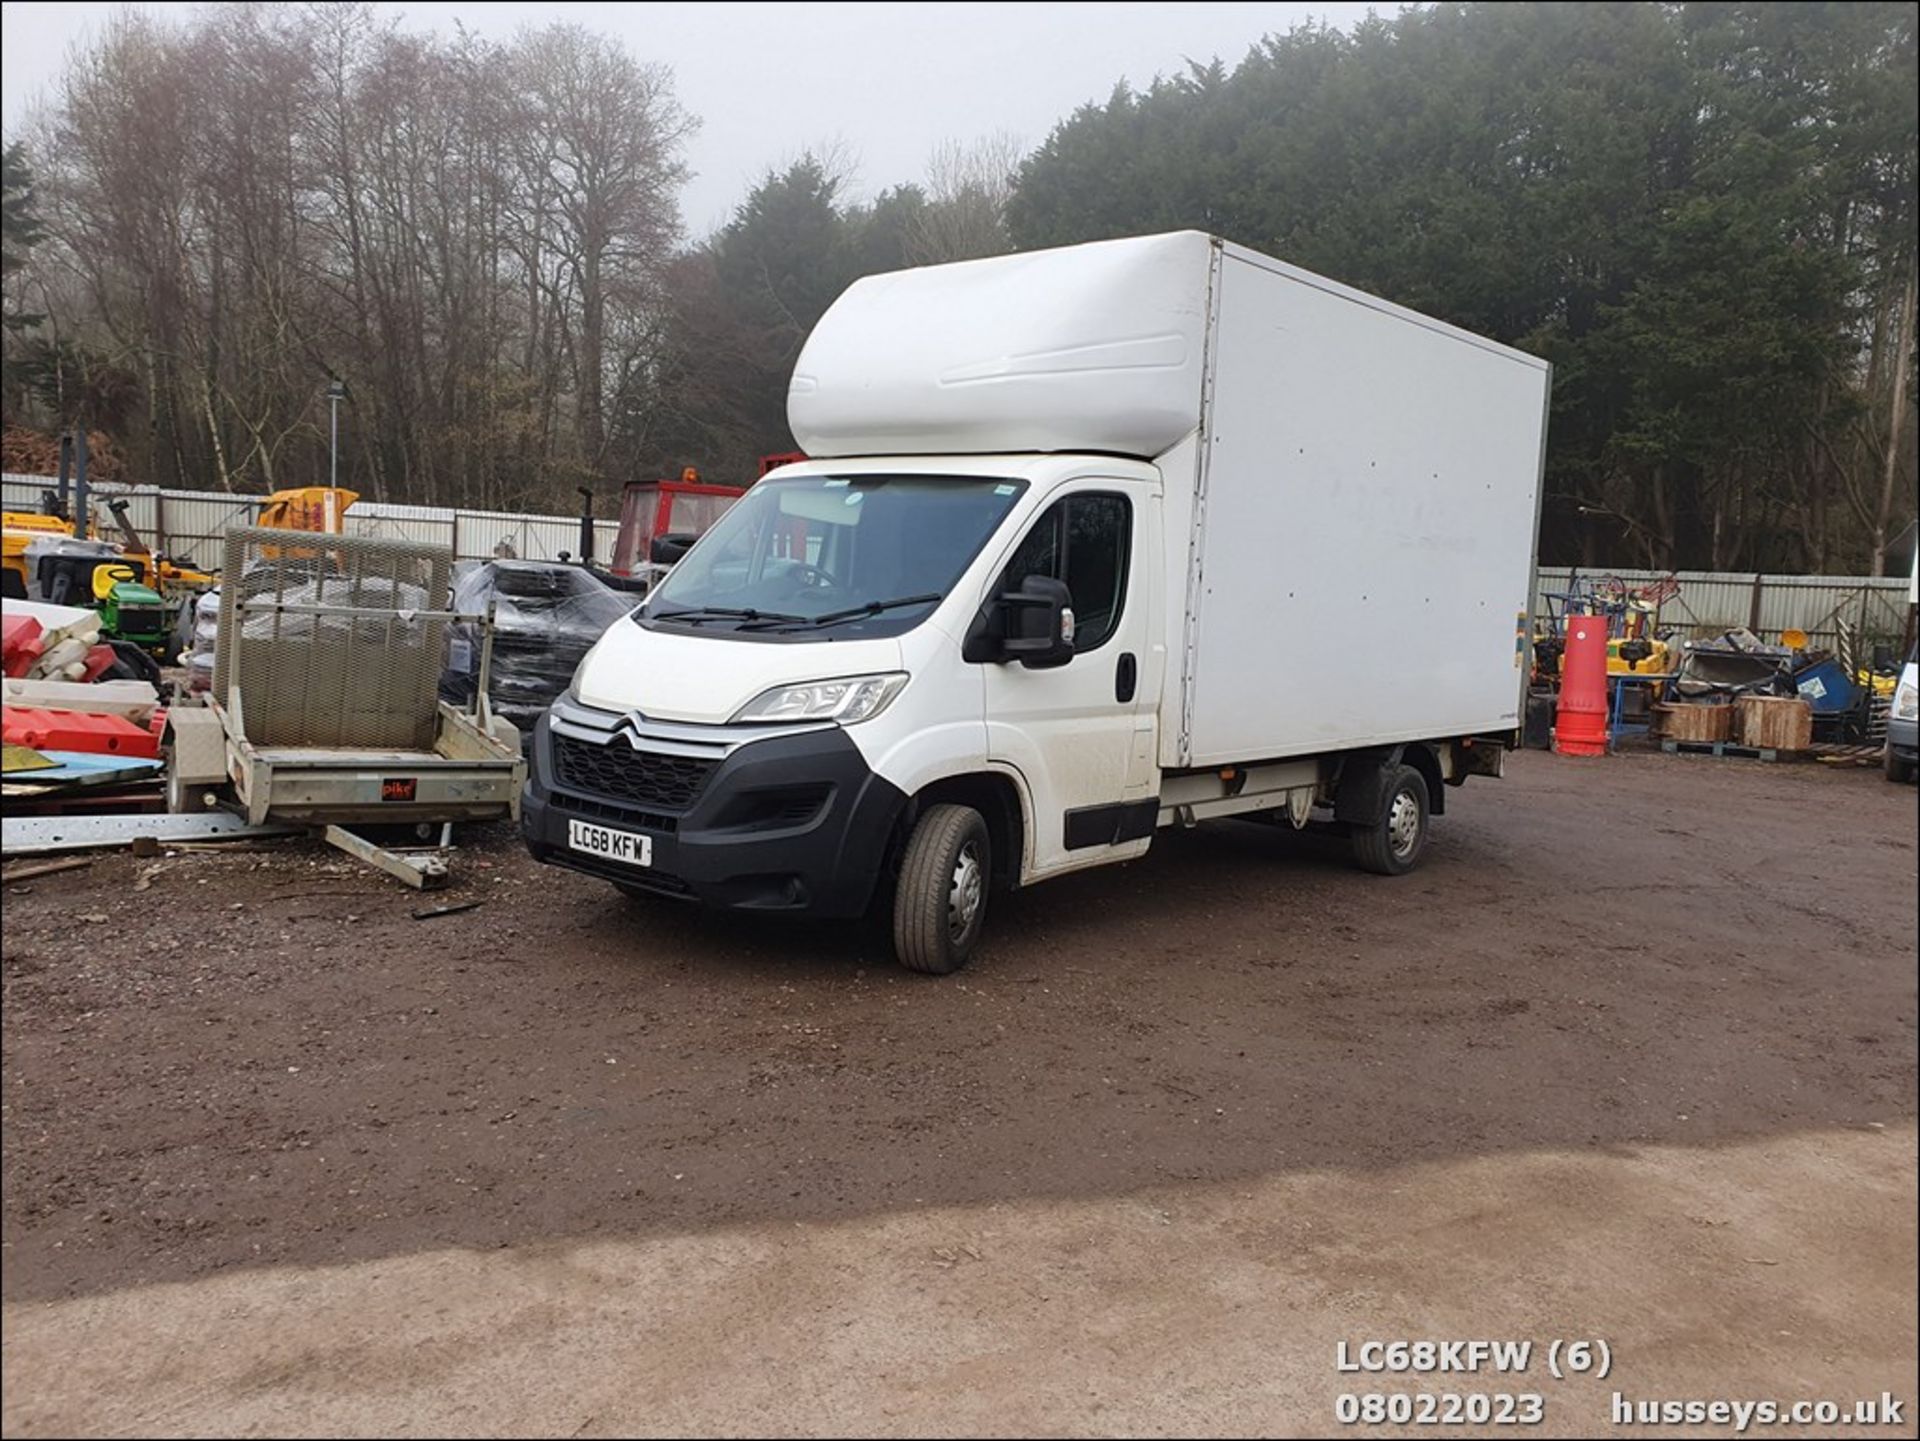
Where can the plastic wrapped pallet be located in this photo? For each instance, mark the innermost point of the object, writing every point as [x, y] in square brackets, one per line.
[546, 617]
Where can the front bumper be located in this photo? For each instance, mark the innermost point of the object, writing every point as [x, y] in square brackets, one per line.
[1903, 738]
[786, 822]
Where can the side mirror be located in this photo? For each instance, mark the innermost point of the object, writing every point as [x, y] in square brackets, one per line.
[668, 548]
[1037, 623]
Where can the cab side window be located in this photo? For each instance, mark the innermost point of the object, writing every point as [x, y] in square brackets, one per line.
[1083, 540]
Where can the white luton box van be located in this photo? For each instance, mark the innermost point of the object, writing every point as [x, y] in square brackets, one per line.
[1093, 541]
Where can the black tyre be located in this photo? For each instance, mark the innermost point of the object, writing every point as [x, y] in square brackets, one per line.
[940, 904]
[1392, 843]
[1899, 768]
[138, 664]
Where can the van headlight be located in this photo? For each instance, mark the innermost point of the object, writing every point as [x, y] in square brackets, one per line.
[1906, 702]
[847, 700]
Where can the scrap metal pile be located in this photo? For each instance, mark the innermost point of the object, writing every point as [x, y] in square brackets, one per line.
[1839, 693]
[75, 727]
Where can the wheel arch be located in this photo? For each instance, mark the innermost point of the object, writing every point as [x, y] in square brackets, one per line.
[1001, 802]
[1357, 795]
[1423, 758]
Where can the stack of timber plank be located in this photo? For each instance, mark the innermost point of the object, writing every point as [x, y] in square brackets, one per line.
[1772, 722]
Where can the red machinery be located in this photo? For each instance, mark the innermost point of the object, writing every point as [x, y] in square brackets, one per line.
[659, 519]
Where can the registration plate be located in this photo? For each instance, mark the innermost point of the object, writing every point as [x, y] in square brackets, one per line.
[625, 847]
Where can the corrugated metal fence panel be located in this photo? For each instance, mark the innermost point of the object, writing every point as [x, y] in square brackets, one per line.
[532, 537]
[184, 524]
[191, 525]
[1711, 602]
[474, 534]
[22, 492]
[1707, 604]
[1868, 607]
[143, 512]
[426, 524]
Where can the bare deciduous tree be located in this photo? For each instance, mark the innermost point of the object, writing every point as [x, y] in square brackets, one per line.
[244, 207]
[968, 187]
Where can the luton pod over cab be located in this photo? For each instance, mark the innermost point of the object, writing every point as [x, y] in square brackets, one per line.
[1091, 542]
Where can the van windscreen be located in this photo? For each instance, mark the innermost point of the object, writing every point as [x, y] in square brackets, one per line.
[832, 555]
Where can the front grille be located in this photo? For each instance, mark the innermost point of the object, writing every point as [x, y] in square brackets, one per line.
[637, 878]
[615, 815]
[143, 620]
[659, 882]
[797, 809]
[617, 771]
[771, 810]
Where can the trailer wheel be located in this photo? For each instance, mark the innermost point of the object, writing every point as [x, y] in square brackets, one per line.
[940, 904]
[1392, 843]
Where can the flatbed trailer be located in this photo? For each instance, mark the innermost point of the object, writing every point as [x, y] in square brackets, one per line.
[324, 709]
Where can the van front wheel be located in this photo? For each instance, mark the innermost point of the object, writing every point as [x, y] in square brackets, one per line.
[940, 905]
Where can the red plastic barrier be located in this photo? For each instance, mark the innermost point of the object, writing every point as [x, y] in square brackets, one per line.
[21, 643]
[1580, 729]
[72, 730]
[99, 661]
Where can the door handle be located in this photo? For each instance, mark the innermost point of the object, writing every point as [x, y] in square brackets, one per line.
[1125, 675]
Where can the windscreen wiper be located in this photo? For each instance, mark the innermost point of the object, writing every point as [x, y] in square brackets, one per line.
[694, 615]
[874, 607]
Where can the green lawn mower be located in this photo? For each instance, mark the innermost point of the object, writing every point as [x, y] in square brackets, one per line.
[131, 611]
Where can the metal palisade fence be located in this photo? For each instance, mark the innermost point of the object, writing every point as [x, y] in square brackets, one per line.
[191, 525]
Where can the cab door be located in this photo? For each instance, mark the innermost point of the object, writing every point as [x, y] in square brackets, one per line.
[1081, 734]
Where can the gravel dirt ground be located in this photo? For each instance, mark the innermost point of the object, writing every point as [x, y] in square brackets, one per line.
[1633, 1057]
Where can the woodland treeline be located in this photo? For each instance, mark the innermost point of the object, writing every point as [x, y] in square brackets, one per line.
[1703, 214]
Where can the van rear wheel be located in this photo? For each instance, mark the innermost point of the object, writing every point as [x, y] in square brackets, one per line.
[1391, 844]
[940, 904]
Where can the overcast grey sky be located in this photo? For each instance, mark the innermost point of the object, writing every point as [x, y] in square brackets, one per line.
[887, 82]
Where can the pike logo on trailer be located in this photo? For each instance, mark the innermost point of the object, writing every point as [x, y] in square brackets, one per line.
[399, 788]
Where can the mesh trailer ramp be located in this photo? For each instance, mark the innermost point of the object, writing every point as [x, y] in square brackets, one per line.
[325, 693]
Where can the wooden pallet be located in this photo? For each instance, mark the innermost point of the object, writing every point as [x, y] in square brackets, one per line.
[1727, 748]
[1832, 754]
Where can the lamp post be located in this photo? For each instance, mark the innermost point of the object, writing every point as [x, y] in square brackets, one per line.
[336, 393]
